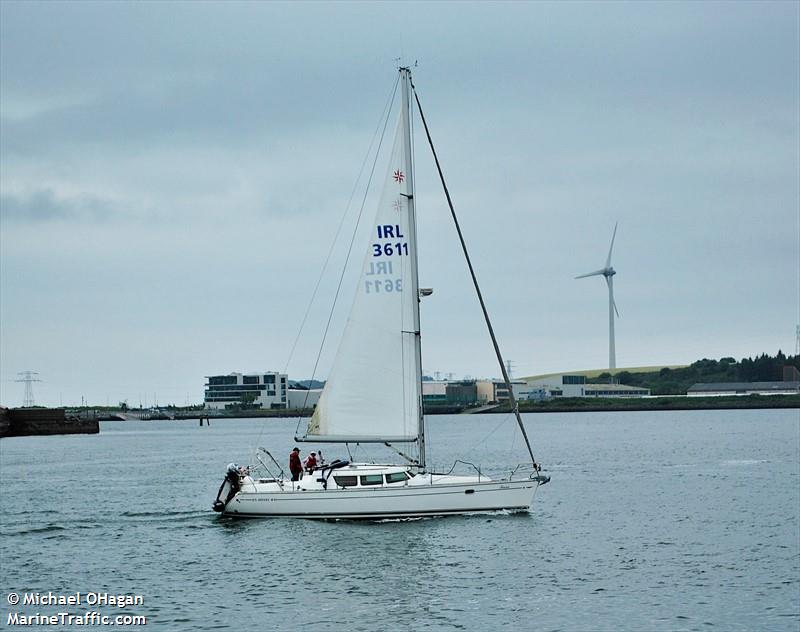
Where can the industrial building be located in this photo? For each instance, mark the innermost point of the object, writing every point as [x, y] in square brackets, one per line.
[461, 393]
[744, 388]
[496, 391]
[236, 390]
[470, 392]
[484, 392]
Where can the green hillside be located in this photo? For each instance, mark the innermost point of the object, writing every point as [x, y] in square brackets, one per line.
[675, 380]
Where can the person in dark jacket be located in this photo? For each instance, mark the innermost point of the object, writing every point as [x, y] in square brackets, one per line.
[295, 465]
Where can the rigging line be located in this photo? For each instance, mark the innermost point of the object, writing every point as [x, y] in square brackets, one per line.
[341, 224]
[512, 399]
[481, 441]
[352, 241]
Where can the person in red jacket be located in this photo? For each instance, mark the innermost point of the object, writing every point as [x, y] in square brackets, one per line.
[295, 466]
[311, 462]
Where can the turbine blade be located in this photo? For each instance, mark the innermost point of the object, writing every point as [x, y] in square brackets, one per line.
[613, 237]
[597, 273]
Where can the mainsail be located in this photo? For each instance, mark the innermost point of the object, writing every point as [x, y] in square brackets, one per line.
[373, 389]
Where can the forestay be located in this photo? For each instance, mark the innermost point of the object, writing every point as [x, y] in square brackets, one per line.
[373, 392]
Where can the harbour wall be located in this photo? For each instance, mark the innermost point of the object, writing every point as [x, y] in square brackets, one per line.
[18, 422]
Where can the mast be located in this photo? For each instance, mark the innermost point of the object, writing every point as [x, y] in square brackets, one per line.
[405, 80]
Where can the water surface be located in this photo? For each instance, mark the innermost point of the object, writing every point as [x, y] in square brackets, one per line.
[653, 521]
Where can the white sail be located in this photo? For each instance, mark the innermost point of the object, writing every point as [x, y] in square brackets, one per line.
[373, 392]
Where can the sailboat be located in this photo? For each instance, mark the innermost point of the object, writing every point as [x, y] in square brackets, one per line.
[373, 394]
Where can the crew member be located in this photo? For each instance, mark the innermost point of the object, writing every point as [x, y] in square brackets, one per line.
[295, 466]
[311, 462]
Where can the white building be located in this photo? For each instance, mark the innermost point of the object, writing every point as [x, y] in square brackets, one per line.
[615, 390]
[561, 385]
[262, 390]
[303, 398]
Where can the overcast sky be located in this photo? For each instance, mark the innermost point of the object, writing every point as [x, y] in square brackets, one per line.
[173, 174]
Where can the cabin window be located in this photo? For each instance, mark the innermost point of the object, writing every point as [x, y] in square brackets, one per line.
[372, 479]
[396, 477]
[346, 481]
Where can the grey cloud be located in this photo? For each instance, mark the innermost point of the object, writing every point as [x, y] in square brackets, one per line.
[45, 206]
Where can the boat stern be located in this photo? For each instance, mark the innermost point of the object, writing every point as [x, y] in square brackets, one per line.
[231, 485]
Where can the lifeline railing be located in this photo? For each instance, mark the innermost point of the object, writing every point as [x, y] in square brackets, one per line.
[281, 474]
[535, 472]
[455, 463]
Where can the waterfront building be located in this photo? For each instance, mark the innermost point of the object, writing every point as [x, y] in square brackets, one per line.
[303, 397]
[253, 390]
[434, 392]
[615, 390]
[496, 391]
[459, 393]
[563, 385]
[463, 393]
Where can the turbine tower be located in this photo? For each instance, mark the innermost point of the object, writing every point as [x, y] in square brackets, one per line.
[608, 272]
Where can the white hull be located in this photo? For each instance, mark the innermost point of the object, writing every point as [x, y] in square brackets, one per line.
[437, 496]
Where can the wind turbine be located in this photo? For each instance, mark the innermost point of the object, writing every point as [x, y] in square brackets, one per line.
[608, 272]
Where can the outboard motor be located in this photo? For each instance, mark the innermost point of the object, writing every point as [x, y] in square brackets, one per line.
[229, 488]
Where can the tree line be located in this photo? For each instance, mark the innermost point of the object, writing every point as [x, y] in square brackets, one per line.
[763, 368]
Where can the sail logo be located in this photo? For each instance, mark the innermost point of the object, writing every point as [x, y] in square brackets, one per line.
[399, 176]
[388, 230]
[388, 249]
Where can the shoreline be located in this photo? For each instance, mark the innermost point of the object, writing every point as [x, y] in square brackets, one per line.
[44, 421]
[566, 405]
[735, 402]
